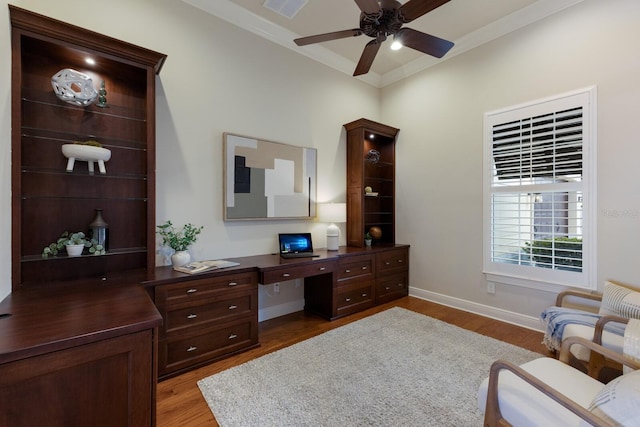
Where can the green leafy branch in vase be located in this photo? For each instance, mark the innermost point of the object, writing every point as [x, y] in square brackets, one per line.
[178, 240]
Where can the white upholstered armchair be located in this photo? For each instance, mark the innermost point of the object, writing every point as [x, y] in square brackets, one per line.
[604, 325]
[548, 392]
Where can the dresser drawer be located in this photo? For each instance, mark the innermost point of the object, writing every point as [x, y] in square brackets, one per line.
[187, 351]
[354, 297]
[392, 261]
[204, 288]
[360, 267]
[392, 287]
[204, 312]
[295, 271]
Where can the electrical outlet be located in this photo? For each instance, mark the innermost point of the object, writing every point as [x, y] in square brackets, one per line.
[491, 287]
[276, 288]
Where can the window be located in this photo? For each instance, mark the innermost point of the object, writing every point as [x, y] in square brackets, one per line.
[540, 193]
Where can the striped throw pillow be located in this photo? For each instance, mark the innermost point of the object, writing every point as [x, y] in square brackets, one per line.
[620, 301]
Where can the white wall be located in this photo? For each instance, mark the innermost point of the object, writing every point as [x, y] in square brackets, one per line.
[216, 78]
[440, 114]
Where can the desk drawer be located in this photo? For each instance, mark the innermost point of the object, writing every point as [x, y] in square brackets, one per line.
[204, 288]
[395, 260]
[392, 287]
[179, 317]
[188, 351]
[354, 297]
[356, 267]
[294, 271]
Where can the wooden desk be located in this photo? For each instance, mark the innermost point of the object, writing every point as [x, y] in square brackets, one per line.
[213, 315]
[83, 355]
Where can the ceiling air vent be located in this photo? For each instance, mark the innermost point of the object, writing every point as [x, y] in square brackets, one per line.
[287, 8]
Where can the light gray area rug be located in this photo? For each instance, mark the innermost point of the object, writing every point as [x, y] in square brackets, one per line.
[395, 368]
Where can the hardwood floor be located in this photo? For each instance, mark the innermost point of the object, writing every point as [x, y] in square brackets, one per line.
[179, 402]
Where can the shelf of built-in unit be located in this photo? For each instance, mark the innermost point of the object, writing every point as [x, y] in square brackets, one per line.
[62, 268]
[47, 103]
[62, 255]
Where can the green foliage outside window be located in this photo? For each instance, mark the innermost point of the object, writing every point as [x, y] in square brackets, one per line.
[561, 252]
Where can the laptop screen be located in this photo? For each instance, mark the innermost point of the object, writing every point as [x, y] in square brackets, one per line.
[295, 242]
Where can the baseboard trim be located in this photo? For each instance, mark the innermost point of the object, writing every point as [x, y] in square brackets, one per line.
[518, 319]
[507, 316]
[280, 310]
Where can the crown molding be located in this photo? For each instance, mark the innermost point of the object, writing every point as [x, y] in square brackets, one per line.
[236, 15]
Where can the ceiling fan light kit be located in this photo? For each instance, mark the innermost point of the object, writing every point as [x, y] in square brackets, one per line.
[380, 19]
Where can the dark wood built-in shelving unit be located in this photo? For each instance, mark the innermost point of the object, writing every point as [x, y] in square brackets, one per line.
[375, 170]
[79, 334]
[47, 200]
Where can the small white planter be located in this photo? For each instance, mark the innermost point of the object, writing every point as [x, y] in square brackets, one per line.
[74, 250]
[86, 153]
[180, 258]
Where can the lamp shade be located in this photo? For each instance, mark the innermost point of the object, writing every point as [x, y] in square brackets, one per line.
[332, 212]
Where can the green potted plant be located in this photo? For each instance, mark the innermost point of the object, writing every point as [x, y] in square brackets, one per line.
[74, 243]
[368, 239]
[179, 240]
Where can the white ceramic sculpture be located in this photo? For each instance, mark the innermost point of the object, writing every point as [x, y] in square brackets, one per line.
[74, 87]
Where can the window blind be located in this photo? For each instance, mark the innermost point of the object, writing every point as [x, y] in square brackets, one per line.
[540, 147]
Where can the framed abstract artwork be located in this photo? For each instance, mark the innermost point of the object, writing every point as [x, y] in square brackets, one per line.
[268, 180]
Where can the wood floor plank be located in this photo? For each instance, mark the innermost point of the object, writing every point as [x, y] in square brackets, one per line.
[180, 403]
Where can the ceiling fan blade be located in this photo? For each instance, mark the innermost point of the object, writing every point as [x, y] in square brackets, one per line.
[426, 43]
[368, 6]
[303, 41]
[366, 59]
[414, 9]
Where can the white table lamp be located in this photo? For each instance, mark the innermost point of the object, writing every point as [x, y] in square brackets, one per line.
[332, 213]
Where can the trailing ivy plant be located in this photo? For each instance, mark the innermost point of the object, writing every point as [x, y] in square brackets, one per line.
[77, 238]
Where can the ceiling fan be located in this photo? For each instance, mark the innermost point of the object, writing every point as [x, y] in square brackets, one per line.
[382, 18]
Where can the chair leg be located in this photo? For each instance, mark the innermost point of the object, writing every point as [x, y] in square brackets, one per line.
[596, 363]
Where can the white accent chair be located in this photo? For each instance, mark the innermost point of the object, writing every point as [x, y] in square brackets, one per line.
[592, 363]
[617, 304]
[548, 392]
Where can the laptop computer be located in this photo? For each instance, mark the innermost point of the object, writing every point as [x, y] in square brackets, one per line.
[296, 245]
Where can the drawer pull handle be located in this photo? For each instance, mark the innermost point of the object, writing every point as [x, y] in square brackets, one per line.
[401, 285]
[365, 267]
[192, 316]
[192, 291]
[192, 348]
[387, 263]
[387, 288]
[286, 275]
[233, 283]
[364, 295]
[400, 261]
[347, 271]
[233, 307]
[233, 336]
[347, 299]
[322, 268]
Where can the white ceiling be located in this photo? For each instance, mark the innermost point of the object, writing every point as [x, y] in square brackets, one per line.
[467, 23]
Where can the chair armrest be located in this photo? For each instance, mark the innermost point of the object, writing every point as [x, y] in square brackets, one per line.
[609, 354]
[574, 293]
[597, 332]
[493, 416]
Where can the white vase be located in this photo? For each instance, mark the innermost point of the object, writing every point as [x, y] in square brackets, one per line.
[74, 250]
[180, 258]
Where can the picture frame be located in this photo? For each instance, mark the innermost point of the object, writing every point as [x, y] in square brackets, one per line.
[266, 180]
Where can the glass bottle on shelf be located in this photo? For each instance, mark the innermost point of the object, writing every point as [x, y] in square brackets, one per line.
[99, 230]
